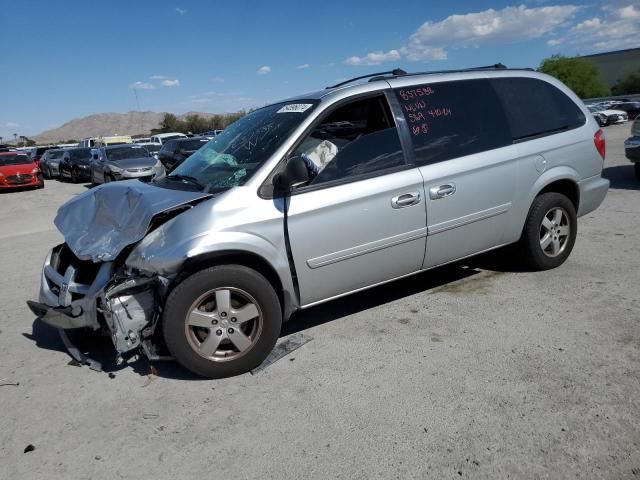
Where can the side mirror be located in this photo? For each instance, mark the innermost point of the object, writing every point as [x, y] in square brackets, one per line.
[294, 175]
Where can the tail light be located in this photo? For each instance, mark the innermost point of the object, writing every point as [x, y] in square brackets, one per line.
[599, 142]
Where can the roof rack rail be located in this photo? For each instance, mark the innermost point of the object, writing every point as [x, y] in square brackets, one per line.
[395, 72]
[497, 66]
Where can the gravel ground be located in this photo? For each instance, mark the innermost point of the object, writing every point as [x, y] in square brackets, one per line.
[473, 370]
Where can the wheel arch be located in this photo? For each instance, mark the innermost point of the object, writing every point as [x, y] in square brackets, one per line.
[246, 259]
[562, 180]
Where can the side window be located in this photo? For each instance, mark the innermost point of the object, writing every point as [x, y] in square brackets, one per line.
[536, 108]
[168, 147]
[359, 138]
[453, 119]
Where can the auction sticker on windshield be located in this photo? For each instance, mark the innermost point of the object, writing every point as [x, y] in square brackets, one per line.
[295, 108]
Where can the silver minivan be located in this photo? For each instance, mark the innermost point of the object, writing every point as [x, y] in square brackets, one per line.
[320, 196]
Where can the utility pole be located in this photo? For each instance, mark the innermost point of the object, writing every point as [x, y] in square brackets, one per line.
[135, 92]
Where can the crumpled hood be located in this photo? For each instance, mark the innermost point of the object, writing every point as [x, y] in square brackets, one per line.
[99, 223]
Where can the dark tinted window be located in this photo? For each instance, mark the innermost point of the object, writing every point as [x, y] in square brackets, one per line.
[168, 147]
[536, 108]
[453, 119]
[124, 153]
[191, 145]
[53, 154]
[80, 154]
[20, 159]
[357, 139]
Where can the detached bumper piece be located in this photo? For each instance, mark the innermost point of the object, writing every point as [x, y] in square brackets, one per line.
[63, 318]
[58, 317]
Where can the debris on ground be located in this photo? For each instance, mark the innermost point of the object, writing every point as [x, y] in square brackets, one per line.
[282, 349]
[151, 376]
[4, 383]
[150, 416]
[29, 448]
[112, 375]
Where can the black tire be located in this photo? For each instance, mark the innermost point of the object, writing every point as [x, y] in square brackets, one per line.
[45, 172]
[636, 167]
[531, 249]
[74, 176]
[181, 300]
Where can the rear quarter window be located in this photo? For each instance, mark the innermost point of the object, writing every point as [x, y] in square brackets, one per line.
[452, 119]
[535, 108]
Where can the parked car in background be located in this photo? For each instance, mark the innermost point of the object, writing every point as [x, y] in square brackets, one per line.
[37, 152]
[142, 140]
[612, 116]
[212, 133]
[123, 162]
[89, 142]
[323, 195]
[632, 108]
[152, 148]
[632, 146]
[17, 170]
[50, 162]
[160, 138]
[75, 164]
[600, 118]
[174, 152]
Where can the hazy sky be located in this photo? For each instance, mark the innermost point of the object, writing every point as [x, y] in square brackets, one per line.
[66, 59]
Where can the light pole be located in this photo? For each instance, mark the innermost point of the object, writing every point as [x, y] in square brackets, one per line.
[15, 139]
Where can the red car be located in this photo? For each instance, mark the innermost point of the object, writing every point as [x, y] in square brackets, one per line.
[18, 170]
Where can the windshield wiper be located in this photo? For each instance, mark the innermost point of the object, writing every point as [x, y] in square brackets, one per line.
[186, 178]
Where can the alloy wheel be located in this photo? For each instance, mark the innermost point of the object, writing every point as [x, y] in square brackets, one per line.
[223, 324]
[555, 232]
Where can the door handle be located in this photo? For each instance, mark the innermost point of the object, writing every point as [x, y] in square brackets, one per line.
[405, 200]
[442, 191]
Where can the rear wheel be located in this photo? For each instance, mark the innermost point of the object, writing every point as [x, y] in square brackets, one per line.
[636, 166]
[550, 231]
[222, 321]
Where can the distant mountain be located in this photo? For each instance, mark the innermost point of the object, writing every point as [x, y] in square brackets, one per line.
[103, 124]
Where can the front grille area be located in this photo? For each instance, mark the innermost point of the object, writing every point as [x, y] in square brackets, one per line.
[69, 277]
[139, 170]
[19, 179]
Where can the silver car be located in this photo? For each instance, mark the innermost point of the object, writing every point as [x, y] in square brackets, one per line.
[123, 162]
[320, 196]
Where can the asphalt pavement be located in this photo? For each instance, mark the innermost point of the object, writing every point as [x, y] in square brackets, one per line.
[475, 370]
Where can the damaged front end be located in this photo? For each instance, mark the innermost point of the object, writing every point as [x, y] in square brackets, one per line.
[81, 294]
[84, 282]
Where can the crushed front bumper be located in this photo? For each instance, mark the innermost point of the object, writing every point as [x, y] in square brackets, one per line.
[83, 294]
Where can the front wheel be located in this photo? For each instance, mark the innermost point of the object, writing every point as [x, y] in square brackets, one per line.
[75, 178]
[636, 166]
[222, 321]
[550, 231]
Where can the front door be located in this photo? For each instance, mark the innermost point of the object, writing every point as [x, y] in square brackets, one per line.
[361, 219]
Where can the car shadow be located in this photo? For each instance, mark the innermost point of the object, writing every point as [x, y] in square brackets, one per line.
[7, 191]
[500, 261]
[622, 177]
[100, 348]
